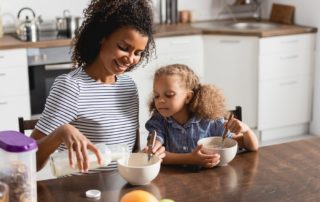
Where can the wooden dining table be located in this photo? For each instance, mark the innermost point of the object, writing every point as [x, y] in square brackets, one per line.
[282, 172]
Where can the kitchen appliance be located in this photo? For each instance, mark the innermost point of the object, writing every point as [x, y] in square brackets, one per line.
[28, 28]
[44, 65]
[18, 165]
[68, 24]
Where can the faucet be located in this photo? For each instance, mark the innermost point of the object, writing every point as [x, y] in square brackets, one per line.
[257, 9]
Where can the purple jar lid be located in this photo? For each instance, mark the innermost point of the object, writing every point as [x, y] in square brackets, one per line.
[13, 141]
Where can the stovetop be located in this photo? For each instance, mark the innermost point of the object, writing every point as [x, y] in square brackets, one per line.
[47, 35]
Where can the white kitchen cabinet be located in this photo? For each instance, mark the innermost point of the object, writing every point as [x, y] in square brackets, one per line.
[169, 50]
[285, 85]
[231, 63]
[271, 78]
[14, 88]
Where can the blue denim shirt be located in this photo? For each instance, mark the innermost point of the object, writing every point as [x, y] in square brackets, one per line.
[183, 139]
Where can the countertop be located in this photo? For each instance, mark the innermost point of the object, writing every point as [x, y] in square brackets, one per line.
[284, 172]
[10, 42]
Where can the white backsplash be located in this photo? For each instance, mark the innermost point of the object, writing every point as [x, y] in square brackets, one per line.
[49, 10]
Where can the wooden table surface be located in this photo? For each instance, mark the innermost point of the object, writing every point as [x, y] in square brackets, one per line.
[284, 172]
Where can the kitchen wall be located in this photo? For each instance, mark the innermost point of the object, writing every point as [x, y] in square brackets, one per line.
[49, 10]
[307, 13]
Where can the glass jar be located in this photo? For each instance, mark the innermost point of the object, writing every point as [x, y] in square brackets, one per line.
[18, 165]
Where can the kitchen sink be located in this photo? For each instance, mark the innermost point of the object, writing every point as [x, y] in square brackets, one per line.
[236, 25]
[253, 25]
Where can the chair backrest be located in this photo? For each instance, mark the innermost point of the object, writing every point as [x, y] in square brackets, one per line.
[237, 112]
[26, 124]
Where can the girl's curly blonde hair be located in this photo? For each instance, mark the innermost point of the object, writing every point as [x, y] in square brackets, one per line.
[208, 101]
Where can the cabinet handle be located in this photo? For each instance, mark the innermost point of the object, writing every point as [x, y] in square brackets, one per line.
[2, 74]
[288, 83]
[179, 42]
[230, 41]
[289, 41]
[290, 57]
[3, 103]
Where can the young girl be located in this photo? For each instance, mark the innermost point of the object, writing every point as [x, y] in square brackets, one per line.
[184, 111]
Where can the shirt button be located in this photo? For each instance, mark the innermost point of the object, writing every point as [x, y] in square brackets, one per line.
[184, 148]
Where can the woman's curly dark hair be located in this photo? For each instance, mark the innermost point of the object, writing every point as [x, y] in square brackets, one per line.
[102, 18]
[208, 101]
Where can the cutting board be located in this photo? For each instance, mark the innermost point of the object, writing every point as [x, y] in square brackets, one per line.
[281, 13]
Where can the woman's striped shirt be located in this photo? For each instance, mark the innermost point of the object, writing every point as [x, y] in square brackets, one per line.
[104, 113]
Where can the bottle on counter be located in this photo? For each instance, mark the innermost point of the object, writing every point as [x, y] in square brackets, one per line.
[59, 161]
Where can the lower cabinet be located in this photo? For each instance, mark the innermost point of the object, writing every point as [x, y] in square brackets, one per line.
[271, 78]
[14, 88]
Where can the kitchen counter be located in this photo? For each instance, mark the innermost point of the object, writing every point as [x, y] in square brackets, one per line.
[9, 42]
[284, 172]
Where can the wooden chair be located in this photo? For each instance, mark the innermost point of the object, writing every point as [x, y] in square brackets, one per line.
[26, 124]
[237, 112]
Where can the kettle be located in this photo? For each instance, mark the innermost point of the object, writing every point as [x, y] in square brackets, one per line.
[28, 28]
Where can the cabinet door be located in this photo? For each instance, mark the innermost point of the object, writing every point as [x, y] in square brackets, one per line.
[13, 58]
[231, 63]
[284, 102]
[11, 108]
[13, 81]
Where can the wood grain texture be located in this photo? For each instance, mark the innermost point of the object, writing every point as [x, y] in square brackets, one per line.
[284, 172]
[282, 14]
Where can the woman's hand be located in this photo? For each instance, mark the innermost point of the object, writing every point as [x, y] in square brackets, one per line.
[205, 160]
[78, 145]
[157, 150]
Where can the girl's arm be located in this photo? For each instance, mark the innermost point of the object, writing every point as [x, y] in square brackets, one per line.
[194, 158]
[243, 135]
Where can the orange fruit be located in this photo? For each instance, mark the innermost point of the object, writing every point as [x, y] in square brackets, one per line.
[138, 196]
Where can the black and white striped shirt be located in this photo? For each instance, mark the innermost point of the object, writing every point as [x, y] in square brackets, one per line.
[104, 113]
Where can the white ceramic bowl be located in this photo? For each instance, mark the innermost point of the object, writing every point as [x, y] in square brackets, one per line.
[212, 145]
[136, 169]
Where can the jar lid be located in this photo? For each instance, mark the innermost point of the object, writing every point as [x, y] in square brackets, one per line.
[13, 141]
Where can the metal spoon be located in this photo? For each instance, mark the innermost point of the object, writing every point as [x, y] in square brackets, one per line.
[225, 131]
[150, 144]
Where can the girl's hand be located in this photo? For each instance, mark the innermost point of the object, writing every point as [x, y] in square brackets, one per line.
[205, 160]
[236, 126]
[157, 150]
[78, 143]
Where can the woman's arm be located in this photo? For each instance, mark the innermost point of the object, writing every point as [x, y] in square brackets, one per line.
[76, 143]
[47, 144]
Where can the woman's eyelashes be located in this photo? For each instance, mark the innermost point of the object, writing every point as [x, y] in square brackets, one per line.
[126, 48]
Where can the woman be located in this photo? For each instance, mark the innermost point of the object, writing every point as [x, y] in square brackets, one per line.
[96, 102]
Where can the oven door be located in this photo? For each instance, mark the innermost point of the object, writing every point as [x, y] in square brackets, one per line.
[41, 78]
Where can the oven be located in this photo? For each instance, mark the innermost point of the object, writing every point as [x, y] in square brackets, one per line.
[44, 65]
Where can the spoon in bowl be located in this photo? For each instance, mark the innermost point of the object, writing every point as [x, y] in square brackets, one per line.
[225, 131]
[150, 144]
